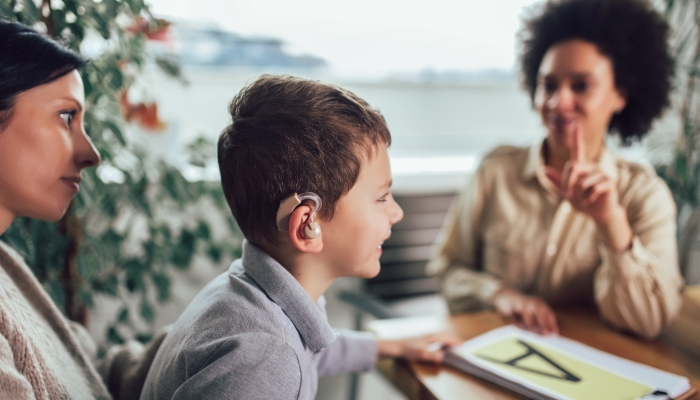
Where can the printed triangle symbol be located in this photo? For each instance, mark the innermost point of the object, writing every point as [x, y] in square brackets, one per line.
[520, 362]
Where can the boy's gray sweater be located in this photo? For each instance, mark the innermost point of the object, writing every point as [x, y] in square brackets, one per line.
[254, 333]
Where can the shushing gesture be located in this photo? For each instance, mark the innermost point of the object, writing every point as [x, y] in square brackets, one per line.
[591, 191]
[584, 184]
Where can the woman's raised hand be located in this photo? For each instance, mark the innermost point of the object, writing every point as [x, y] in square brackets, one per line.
[591, 191]
[584, 184]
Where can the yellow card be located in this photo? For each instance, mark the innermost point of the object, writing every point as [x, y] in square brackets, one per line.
[554, 370]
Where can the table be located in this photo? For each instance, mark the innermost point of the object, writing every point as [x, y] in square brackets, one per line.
[422, 381]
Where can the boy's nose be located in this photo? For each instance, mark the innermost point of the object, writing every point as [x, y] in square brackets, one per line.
[396, 213]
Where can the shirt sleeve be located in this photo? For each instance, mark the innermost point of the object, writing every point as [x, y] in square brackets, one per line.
[455, 260]
[252, 367]
[352, 351]
[13, 385]
[639, 289]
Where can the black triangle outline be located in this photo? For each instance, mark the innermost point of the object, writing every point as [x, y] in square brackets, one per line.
[568, 376]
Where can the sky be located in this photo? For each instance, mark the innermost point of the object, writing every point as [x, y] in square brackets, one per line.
[373, 36]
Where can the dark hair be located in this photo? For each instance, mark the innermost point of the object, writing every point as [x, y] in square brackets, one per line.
[630, 32]
[293, 135]
[29, 59]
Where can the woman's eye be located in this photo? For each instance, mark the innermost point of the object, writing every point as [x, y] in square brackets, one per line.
[549, 86]
[579, 87]
[67, 117]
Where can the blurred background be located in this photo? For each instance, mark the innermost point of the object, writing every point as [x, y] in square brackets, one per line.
[151, 228]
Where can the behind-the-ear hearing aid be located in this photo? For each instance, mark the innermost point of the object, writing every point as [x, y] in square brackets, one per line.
[312, 230]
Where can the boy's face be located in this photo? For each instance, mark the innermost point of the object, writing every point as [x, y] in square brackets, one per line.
[352, 240]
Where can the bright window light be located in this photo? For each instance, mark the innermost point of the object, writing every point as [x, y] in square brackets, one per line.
[429, 165]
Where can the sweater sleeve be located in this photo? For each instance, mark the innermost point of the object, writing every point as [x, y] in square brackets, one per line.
[455, 260]
[351, 352]
[13, 385]
[639, 289]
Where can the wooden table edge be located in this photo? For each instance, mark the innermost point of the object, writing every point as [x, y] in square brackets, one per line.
[404, 376]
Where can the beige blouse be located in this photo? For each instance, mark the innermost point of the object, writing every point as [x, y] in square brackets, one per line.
[509, 227]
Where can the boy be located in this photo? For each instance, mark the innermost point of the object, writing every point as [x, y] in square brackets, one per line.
[260, 331]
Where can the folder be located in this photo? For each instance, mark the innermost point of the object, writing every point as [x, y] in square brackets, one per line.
[554, 367]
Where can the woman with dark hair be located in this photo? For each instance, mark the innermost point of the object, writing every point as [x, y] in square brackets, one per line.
[43, 149]
[565, 220]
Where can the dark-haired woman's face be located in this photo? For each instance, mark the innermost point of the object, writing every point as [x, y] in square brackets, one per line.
[43, 150]
[577, 83]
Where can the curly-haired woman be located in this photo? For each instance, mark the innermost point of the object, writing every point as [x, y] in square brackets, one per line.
[565, 221]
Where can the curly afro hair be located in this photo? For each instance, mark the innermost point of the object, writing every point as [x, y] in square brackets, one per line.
[630, 32]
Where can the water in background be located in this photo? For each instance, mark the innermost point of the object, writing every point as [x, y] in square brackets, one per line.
[440, 130]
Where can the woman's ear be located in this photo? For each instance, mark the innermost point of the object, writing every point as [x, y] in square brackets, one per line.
[298, 221]
[621, 100]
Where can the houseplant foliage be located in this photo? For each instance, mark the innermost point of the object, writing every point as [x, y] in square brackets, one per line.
[135, 218]
[683, 173]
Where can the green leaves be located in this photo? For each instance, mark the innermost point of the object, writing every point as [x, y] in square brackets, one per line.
[147, 311]
[161, 281]
[183, 252]
[123, 316]
[141, 218]
[28, 13]
[682, 174]
[170, 66]
[113, 335]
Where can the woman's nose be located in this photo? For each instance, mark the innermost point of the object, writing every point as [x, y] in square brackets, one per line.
[562, 99]
[86, 154]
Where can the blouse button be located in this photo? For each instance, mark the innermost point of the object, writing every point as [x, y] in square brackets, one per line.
[551, 250]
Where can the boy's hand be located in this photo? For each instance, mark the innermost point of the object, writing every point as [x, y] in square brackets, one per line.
[428, 348]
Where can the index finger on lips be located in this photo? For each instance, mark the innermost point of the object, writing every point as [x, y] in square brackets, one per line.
[576, 149]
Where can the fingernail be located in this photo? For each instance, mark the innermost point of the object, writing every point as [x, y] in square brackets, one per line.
[434, 347]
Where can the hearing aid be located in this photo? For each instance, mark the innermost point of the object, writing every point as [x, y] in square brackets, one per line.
[312, 230]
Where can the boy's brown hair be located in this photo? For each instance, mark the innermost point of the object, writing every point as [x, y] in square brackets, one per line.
[293, 135]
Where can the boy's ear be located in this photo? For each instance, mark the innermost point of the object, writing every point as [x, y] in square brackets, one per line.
[297, 222]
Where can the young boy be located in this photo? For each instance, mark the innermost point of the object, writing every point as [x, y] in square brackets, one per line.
[259, 331]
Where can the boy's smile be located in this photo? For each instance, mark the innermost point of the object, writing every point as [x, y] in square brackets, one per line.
[352, 240]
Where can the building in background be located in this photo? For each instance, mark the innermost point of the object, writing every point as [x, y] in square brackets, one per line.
[196, 44]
